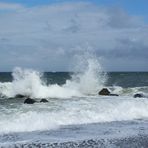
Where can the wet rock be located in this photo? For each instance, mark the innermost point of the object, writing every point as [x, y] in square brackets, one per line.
[29, 101]
[104, 92]
[113, 95]
[44, 100]
[138, 96]
[20, 96]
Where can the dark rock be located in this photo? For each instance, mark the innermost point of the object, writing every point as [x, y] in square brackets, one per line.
[44, 100]
[29, 101]
[20, 96]
[113, 95]
[104, 92]
[138, 96]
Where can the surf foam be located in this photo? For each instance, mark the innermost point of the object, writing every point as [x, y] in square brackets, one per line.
[74, 111]
[30, 83]
[90, 77]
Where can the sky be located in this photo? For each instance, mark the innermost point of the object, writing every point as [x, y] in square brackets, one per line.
[48, 35]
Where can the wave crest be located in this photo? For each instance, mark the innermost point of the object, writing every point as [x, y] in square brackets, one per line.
[30, 83]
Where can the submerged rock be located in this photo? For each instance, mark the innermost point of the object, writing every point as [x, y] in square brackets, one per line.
[20, 96]
[29, 101]
[113, 95]
[104, 92]
[44, 100]
[138, 96]
[11, 98]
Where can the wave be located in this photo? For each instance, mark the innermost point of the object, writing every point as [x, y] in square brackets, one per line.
[69, 112]
[30, 83]
[129, 91]
[80, 103]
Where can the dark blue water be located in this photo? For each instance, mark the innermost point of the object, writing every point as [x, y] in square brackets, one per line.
[128, 79]
[123, 79]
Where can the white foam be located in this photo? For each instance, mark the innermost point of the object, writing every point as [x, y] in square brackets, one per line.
[29, 82]
[86, 110]
[90, 79]
[73, 110]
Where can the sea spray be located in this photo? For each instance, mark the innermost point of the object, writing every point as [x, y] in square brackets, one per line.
[72, 111]
[27, 82]
[30, 83]
[86, 80]
[89, 76]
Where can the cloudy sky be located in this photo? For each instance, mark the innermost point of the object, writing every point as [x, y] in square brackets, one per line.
[46, 35]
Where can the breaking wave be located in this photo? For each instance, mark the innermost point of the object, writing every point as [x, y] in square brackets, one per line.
[30, 83]
[54, 114]
[80, 103]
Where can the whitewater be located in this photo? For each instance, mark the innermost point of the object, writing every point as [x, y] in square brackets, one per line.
[72, 104]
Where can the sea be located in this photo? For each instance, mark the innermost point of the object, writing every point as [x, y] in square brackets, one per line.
[75, 114]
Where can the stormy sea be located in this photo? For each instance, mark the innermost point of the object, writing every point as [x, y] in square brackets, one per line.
[75, 114]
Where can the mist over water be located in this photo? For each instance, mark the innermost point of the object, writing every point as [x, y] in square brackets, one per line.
[89, 76]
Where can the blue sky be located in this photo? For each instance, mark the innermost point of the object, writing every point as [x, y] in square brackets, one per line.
[48, 34]
[138, 7]
[133, 6]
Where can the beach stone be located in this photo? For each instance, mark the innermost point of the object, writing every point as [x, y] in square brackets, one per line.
[104, 92]
[138, 96]
[44, 100]
[29, 101]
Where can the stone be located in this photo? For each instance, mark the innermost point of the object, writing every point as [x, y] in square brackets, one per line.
[29, 101]
[138, 96]
[104, 92]
[44, 100]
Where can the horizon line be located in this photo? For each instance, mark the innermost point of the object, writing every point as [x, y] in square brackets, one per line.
[71, 71]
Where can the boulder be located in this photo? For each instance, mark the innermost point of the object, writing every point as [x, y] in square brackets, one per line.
[44, 100]
[104, 92]
[29, 101]
[138, 96]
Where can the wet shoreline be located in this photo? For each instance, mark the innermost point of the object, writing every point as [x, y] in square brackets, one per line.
[113, 134]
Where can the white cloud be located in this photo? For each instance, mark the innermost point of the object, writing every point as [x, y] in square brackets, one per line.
[48, 37]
